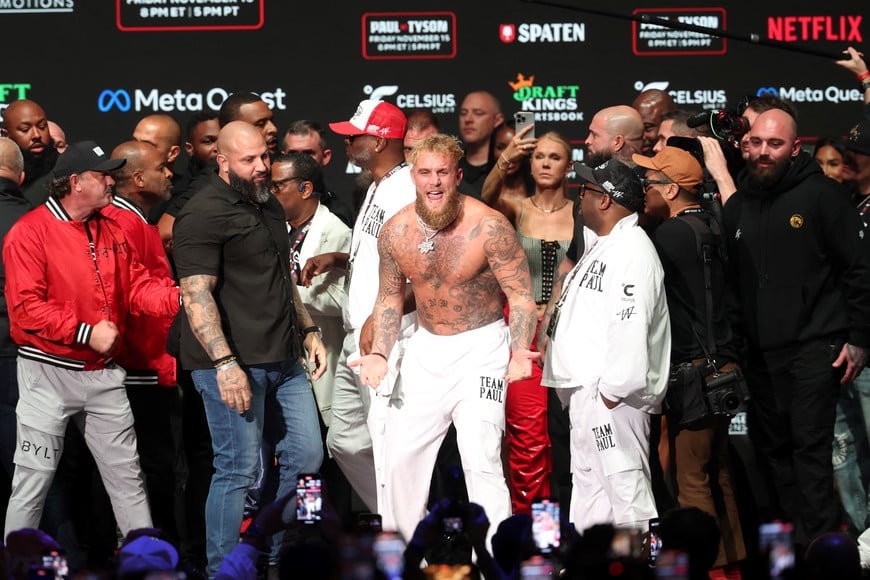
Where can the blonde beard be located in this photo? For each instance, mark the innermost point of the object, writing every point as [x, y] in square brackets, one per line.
[437, 220]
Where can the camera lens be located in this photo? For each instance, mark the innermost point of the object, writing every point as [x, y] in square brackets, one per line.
[731, 402]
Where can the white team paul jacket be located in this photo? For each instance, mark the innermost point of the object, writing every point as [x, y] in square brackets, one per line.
[614, 332]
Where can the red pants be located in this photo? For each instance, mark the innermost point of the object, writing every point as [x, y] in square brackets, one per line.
[528, 441]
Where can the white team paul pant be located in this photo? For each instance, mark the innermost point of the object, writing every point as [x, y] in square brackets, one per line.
[355, 435]
[609, 463]
[48, 397]
[457, 378]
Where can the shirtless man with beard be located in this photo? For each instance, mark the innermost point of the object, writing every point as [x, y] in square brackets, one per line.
[459, 256]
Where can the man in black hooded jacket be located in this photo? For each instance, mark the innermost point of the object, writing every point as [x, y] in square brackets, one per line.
[800, 267]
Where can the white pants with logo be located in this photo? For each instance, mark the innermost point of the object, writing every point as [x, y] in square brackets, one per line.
[609, 463]
[457, 378]
[48, 397]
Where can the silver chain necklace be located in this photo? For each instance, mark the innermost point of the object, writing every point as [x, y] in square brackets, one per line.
[427, 245]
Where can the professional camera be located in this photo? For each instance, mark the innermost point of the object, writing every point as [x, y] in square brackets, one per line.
[727, 393]
[726, 124]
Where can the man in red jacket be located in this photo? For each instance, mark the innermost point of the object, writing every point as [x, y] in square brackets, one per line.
[152, 386]
[72, 280]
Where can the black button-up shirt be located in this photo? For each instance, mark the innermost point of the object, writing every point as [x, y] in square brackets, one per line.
[245, 245]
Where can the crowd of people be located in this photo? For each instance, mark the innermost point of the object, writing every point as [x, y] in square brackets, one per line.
[463, 335]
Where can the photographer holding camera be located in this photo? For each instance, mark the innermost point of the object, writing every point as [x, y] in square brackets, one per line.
[703, 395]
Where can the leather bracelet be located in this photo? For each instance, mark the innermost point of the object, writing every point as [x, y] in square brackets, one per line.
[380, 355]
[865, 85]
[224, 360]
[308, 330]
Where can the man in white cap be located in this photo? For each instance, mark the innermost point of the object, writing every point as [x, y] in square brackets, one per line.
[373, 139]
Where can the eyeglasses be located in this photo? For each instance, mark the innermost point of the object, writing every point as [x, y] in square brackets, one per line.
[584, 187]
[276, 186]
[647, 182]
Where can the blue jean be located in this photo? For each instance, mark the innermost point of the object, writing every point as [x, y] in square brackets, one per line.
[851, 460]
[282, 406]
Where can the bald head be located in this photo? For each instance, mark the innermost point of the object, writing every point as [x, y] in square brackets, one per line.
[614, 133]
[652, 104]
[773, 145]
[145, 178]
[163, 132]
[25, 123]
[243, 160]
[11, 161]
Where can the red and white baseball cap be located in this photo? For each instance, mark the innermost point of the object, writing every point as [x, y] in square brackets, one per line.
[377, 118]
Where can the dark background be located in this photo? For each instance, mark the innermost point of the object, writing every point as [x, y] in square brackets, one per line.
[313, 51]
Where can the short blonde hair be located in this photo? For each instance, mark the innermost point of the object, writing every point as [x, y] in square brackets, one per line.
[438, 143]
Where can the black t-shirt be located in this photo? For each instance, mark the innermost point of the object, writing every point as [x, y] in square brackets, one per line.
[677, 247]
[473, 177]
[246, 247]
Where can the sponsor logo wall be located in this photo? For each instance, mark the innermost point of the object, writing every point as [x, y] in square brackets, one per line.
[97, 71]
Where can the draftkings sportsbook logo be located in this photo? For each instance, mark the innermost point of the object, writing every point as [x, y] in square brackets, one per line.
[548, 102]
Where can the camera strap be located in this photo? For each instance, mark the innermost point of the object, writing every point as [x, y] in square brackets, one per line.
[705, 254]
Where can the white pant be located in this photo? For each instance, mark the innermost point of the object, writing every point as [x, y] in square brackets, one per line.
[48, 397]
[609, 463]
[457, 378]
[356, 429]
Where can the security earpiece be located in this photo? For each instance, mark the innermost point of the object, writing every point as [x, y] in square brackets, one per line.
[301, 187]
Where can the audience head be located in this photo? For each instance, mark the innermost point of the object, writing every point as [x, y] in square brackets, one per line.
[609, 192]
[373, 135]
[674, 124]
[672, 181]
[11, 160]
[479, 115]
[297, 179]
[858, 144]
[833, 555]
[201, 137]
[513, 542]
[58, 137]
[614, 133]
[24, 549]
[305, 136]
[551, 161]
[830, 154]
[145, 555]
[755, 108]
[145, 178]
[421, 124]
[163, 132]
[695, 532]
[652, 104]
[25, 123]
[250, 108]
[82, 177]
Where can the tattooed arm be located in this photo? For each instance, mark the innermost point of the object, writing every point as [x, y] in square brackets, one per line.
[205, 322]
[510, 267]
[312, 341]
[386, 318]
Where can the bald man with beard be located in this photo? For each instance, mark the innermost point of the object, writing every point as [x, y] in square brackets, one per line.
[25, 123]
[243, 332]
[614, 133]
[652, 104]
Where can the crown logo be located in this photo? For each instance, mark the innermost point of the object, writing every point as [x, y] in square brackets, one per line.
[522, 82]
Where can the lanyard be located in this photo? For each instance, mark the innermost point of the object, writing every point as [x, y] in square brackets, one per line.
[364, 215]
[299, 237]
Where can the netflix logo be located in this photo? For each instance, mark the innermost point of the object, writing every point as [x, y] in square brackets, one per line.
[845, 28]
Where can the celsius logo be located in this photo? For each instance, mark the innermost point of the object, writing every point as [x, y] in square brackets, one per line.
[830, 94]
[549, 102]
[437, 102]
[706, 98]
[123, 101]
[534, 32]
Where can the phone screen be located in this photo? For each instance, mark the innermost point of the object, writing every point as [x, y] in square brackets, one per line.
[537, 568]
[545, 524]
[309, 499]
[389, 550]
[523, 119]
[655, 542]
[775, 539]
[369, 523]
[55, 560]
